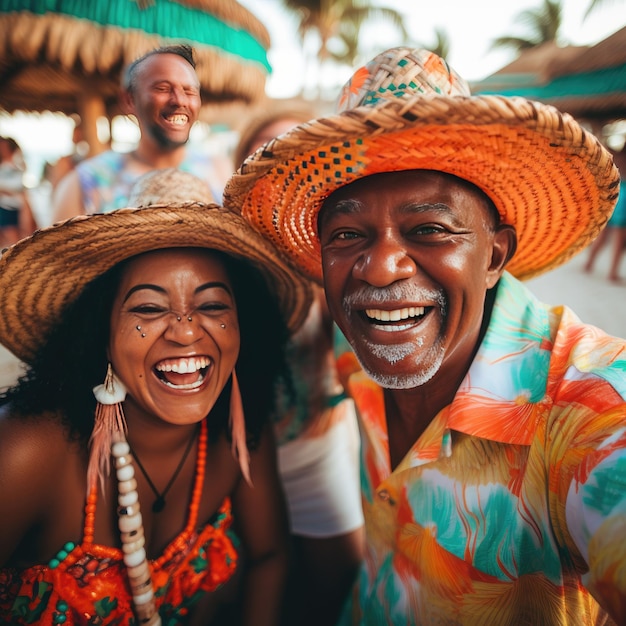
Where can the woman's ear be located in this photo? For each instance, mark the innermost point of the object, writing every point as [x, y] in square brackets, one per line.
[503, 249]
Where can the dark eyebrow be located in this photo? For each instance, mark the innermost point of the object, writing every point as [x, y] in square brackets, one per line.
[132, 290]
[346, 207]
[439, 207]
[170, 83]
[210, 285]
[214, 285]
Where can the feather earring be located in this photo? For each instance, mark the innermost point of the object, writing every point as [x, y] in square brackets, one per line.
[109, 426]
[238, 429]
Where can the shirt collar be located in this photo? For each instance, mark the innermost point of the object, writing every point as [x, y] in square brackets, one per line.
[502, 394]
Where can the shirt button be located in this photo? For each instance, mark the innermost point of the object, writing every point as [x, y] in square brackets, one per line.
[383, 495]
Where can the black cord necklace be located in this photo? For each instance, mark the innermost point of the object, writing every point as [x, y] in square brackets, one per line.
[159, 504]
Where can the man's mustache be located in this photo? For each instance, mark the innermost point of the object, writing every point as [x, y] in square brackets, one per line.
[369, 295]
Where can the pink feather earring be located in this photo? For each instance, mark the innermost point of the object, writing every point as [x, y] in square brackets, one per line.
[109, 426]
[238, 429]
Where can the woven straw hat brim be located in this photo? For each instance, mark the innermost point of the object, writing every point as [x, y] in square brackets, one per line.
[41, 275]
[548, 177]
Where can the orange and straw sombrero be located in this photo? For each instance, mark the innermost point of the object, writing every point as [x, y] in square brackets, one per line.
[407, 109]
[41, 275]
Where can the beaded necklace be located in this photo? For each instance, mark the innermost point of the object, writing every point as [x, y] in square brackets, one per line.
[130, 524]
[159, 504]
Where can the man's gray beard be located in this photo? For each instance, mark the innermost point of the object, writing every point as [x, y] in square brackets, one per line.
[396, 353]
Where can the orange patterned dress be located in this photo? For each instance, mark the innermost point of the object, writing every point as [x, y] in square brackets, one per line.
[86, 583]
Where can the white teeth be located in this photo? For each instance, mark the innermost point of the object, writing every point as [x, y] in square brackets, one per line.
[189, 386]
[396, 315]
[183, 366]
[179, 120]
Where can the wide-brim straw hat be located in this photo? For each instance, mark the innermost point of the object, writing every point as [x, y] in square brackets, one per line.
[42, 274]
[407, 109]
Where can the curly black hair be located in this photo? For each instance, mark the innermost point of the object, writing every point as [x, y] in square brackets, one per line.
[63, 373]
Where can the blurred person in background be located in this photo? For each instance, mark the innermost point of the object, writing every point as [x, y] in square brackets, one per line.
[162, 90]
[616, 226]
[318, 440]
[16, 216]
[55, 171]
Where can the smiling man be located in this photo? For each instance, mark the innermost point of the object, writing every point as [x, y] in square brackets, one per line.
[493, 426]
[162, 91]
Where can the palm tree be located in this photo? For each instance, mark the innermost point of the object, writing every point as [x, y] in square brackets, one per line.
[441, 45]
[544, 24]
[336, 25]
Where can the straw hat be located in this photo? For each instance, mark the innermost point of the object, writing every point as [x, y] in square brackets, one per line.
[169, 186]
[407, 109]
[42, 274]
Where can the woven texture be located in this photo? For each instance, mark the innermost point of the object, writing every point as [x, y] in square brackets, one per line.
[169, 186]
[42, 274]
[547, 176]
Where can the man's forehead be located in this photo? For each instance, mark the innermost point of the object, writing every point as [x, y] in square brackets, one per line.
[432, 189]
[161, 62]
[429, 182]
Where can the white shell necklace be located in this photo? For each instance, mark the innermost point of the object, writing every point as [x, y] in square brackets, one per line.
[132, 535]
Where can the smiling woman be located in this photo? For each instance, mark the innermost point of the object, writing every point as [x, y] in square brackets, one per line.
[165, 304]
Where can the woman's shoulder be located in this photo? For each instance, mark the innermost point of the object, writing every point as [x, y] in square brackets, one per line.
[32, 444]
[37, 459]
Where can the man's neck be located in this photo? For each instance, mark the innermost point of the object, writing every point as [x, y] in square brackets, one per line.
[159, 159]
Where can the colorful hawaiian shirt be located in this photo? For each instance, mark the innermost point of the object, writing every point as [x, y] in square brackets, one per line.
[107, 178]
[511, 506]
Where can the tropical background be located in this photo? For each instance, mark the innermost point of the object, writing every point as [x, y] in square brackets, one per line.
[60, 64]
[60, 60]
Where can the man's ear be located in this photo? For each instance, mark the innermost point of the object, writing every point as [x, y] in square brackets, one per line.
[504, 247]
[125, 100]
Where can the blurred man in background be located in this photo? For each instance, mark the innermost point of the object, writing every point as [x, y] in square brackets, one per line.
[162, 90]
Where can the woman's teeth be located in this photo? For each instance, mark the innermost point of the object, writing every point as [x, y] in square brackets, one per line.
[193, 385]
[183, 366]
[170, 370]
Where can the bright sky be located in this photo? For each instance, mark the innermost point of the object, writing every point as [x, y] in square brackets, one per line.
[471, 26]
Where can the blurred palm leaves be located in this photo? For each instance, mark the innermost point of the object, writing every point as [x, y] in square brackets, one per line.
[542, 24]
[338, 24]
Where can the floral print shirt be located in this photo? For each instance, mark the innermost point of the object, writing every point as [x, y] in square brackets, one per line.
[511, 507]
[107, 179]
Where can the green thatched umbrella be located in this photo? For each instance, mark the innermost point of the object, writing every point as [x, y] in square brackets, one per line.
[589, 82]
[66, 55]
